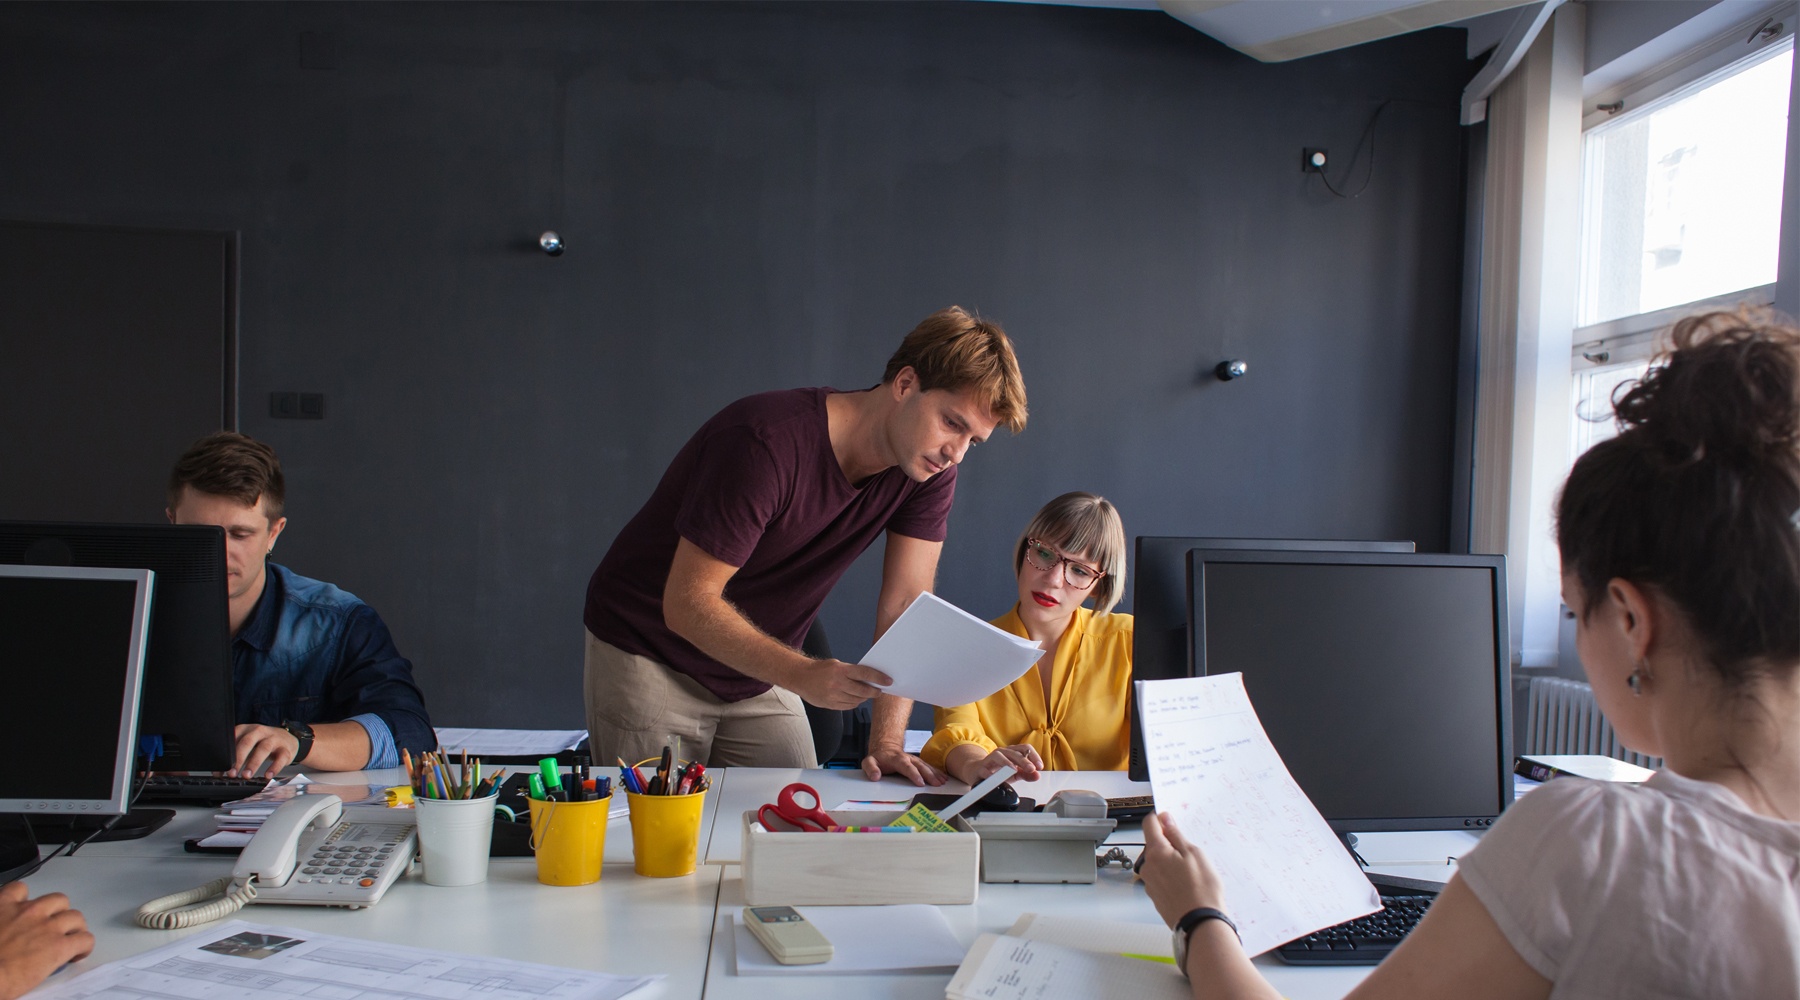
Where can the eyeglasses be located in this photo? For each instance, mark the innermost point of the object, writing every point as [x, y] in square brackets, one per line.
[1046, 558]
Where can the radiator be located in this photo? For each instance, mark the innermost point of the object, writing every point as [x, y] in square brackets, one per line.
[1562, 717]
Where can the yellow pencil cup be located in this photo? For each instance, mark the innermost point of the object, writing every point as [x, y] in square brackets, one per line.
[569, 839]
[665, 833]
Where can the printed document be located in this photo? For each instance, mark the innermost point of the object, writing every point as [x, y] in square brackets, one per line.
[238, 959]
[1214, 770]
[509, 742]
[940, 654]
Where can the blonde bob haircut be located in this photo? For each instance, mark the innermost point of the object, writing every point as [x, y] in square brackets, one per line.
[1088, 527]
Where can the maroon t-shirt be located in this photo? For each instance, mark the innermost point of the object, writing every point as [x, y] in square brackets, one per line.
[758, 487]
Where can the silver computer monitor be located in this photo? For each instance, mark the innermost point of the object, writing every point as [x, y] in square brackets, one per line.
[71, 662]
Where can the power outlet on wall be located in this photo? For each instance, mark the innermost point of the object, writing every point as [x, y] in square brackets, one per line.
[1312, 161]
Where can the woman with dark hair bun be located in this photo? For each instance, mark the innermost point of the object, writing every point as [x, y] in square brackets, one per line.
[1680, 544]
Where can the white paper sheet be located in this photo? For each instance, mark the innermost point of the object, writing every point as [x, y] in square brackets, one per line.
[940, 654]
[1113, 937]
[1000, 967]
[1214, 770]
[864, 940]
[510, 742]
[239, 959]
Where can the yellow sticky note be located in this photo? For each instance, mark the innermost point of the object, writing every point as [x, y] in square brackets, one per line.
[923, 820]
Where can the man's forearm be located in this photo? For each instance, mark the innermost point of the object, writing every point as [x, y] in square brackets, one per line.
[718, 629]
[888, 727]
[338, 746]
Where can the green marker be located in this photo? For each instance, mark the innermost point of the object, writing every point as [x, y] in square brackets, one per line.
[553, 788]
[537, 788]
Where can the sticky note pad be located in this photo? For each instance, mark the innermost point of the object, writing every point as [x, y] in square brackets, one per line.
[924, 820]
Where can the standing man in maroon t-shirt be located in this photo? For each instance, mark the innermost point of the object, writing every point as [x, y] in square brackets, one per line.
[695, 615]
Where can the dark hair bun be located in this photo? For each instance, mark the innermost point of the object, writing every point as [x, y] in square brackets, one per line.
[1729, 392]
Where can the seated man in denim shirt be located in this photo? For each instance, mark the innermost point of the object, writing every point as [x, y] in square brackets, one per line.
[317, 676]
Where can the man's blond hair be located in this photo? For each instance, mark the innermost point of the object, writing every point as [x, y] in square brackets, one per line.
[956, 351]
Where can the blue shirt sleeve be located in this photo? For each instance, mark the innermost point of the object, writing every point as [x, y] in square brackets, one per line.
[382, 752]
[373, 679]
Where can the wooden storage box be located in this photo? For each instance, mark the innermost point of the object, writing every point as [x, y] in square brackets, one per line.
[859, 869]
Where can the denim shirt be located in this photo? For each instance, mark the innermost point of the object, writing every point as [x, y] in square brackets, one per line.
[312, 653]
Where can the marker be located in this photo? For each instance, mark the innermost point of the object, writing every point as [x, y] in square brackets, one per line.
[537, 787]
[552, 778]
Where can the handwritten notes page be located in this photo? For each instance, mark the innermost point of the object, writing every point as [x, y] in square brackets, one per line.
[940, 654]
[1214, 770]
[1002, 967]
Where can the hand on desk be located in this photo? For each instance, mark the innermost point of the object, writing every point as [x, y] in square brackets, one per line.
[893, 760]
[37, 937]
[966, 762]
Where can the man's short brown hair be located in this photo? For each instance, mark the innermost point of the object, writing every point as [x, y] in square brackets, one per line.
[954, 350]
[229, 464]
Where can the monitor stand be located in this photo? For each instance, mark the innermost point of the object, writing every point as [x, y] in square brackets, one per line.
[51, 829]
[18, 848]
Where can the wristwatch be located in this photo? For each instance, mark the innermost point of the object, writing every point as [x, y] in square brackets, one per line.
[302, 732]
[1185, 927]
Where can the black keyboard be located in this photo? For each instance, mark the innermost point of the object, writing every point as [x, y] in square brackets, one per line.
[203, 789]
[1363, 941]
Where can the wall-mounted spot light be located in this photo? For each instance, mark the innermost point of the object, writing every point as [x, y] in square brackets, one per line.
[552, 243]
[1233, 368]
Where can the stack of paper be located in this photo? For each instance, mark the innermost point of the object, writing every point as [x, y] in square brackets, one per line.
[1044, 958]
[510, 742]
[1213, 769]
[939, 654]
[238, 821]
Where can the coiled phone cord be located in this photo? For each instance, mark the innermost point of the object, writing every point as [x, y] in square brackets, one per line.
[199, 905]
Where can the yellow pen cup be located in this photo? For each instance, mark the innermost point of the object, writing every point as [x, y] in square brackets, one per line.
[665, 831]
[569, 839]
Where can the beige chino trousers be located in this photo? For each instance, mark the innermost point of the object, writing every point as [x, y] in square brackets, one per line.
[635, 704]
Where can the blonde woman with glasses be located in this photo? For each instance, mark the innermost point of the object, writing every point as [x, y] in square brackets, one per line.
[1069, 712]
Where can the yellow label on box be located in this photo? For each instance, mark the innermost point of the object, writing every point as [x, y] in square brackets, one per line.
[924, 820]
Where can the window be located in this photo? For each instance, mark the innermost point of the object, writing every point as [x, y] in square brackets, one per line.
[1681, 199]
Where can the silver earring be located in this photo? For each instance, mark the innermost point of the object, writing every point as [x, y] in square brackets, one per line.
[1636, 681]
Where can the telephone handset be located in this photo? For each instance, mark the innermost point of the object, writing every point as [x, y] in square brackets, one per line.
[306, 852]
[273, 854]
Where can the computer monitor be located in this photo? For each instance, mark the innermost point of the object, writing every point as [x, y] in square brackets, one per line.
[1383, 680]
[73, 643]
[187, 691]
[1159, 596]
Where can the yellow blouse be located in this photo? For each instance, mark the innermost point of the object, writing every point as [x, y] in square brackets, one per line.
[1085, 728]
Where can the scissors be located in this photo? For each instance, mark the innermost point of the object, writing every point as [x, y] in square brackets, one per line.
[808, 819]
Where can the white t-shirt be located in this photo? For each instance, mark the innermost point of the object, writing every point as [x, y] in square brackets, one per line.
[1671, 888]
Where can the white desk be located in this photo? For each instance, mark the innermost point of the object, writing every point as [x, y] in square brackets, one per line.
[1113, 896]
[630, 925]
[624, 924]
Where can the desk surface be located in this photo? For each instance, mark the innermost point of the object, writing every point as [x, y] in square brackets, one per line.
[630, 925]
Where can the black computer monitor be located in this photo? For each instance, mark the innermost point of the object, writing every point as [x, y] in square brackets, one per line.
[1383, 680]
[188, 698]
[1159, 595]
[72, 642]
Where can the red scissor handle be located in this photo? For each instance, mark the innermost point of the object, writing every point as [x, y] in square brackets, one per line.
[809, 818]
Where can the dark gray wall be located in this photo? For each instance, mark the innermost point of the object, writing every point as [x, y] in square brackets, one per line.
[757, 196]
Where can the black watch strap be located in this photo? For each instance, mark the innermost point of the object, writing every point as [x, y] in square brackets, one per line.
[302, 732]
[1185, 927]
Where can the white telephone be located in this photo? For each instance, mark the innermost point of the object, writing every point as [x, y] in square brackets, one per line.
[305, 853]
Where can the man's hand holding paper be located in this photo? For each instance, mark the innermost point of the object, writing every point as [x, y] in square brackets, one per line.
[940, 654]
